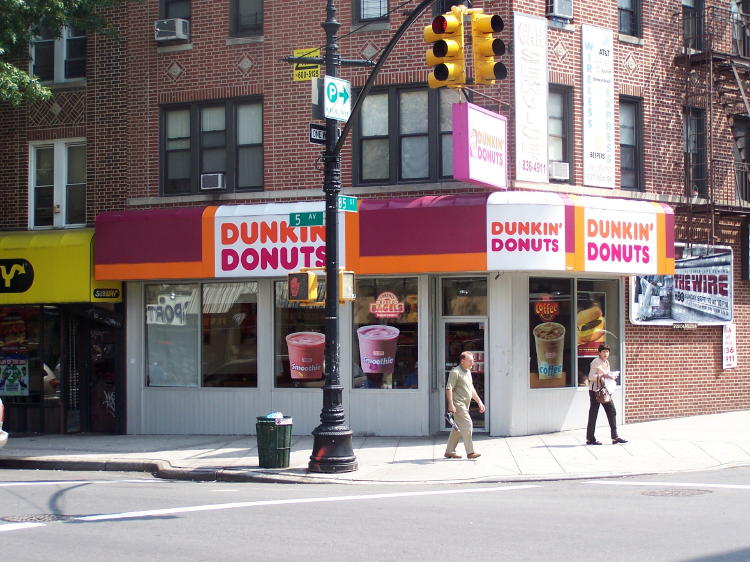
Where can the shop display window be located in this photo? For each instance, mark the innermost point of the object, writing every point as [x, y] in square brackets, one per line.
[568, 320]
[299, 341]
[465, 296]
[229, 334]
[384, 352]
[202, 334]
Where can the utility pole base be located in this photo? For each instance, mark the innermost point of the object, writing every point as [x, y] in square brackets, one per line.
[332, 450]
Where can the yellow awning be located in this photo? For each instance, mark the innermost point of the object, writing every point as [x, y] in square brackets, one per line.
[52, 266]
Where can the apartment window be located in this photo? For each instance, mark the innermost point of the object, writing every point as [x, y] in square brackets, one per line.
[57, 183]
[442, 6]
[247, 17]
[694, 132]
[629, 17]
[559, 131]
[223, 138]
[630, 144]
[371, 10]
[405, 135]
[57, 59]
[692, 24]
[175, 9]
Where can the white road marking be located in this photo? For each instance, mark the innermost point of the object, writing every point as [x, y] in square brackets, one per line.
[673, 484]
[19, 526]
[237, 505]
[60, 482]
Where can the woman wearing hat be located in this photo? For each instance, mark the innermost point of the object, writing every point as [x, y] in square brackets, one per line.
[597, 373]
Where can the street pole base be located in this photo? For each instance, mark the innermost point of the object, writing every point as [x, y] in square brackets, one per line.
[332, 451]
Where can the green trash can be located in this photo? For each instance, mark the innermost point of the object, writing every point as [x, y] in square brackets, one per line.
[274, 441]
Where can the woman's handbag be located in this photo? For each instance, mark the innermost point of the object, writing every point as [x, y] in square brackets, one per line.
[602, 395]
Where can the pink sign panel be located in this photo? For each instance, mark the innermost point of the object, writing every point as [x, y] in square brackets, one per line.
[480, 146]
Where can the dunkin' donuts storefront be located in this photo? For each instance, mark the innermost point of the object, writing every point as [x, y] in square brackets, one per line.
[529, 282]
[60, 336]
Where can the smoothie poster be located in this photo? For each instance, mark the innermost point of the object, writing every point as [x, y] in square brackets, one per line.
[549, 336]
[700, 292]
[14, 375]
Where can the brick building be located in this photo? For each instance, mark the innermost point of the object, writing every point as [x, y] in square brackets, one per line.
[151, 198]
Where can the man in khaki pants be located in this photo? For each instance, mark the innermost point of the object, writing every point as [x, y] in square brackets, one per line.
[459, 392]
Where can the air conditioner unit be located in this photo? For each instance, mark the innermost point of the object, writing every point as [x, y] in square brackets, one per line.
[171, 29]
[560, 9]
[559, 171]
[212, 181]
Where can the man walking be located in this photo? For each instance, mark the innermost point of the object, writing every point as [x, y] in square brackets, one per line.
[459, 392]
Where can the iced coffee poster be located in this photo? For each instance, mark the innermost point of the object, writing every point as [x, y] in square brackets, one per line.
[591, 322]
[549, 338]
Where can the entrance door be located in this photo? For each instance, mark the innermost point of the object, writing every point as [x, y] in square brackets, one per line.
[466, 335]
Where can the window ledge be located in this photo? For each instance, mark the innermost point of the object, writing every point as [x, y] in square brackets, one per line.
[557, 23]
[67, 85]
[371, 26]
[632, 39]
[175, 48]
[245, 40]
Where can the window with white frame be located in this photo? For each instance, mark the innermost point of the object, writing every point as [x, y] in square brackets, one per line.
[57, 183]
[57, 57]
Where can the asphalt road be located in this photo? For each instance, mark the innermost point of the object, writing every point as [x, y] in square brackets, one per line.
[47, 515]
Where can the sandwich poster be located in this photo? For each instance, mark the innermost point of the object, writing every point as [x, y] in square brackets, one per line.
[591, 324]
[700, 292]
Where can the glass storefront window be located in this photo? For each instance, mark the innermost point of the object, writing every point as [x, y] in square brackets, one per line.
[464, 296]
[563, 344]
[172, 332]
[229, 346]
[385, 340]
[299, 342]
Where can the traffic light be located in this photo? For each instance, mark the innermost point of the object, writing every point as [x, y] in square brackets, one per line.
[446, 55]
[486, 48]
[303, 287]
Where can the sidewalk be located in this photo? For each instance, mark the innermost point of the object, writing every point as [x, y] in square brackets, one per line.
[674, 445]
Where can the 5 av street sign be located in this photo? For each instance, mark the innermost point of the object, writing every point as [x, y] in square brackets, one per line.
[337, 98]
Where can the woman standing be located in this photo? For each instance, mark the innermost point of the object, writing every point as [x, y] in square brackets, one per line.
[598, 372]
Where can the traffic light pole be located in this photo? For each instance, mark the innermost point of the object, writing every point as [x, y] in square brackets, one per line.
[332, 445]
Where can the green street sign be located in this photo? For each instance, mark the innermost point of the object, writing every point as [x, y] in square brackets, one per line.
[348, 204]
[306, 219]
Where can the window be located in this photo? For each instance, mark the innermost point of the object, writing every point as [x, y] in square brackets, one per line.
[405, 135]
[201, 334]
[370, 10]
[57, 183]
[559, 130]
[247, 17]
[692, 24]
[694, 129]
[175, 9]
[384, 352]
[299, 342]
[57, 59]
[223, 138]
[629, 17]
[568, 320]
[630, 144]
[442, 6]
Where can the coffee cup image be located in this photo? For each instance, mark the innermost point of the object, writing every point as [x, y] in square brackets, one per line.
[377, 348]
[550, 346]
[306, 351]
[591, 325]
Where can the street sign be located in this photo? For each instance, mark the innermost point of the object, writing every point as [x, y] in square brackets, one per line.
[337, 98]
[348, 204]
[317, 133]
[306, 219]
[303, 71]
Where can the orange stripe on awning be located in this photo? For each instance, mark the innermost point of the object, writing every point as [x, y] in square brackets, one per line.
[130, 271]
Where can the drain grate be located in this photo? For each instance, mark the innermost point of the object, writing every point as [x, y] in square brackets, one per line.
[35, 518]
[677, 492]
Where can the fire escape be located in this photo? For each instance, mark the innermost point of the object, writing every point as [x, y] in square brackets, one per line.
[715, 54]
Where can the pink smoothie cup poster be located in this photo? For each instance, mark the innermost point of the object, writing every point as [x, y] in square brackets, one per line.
[377, 348]
[306, 354]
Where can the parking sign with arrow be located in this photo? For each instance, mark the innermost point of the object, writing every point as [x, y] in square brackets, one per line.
[337, 98]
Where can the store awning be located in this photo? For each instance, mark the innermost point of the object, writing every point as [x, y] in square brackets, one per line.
[423, 234]
[512, 231]
[52, 266]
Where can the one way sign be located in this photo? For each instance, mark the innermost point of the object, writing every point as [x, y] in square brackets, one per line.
[317, 133]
